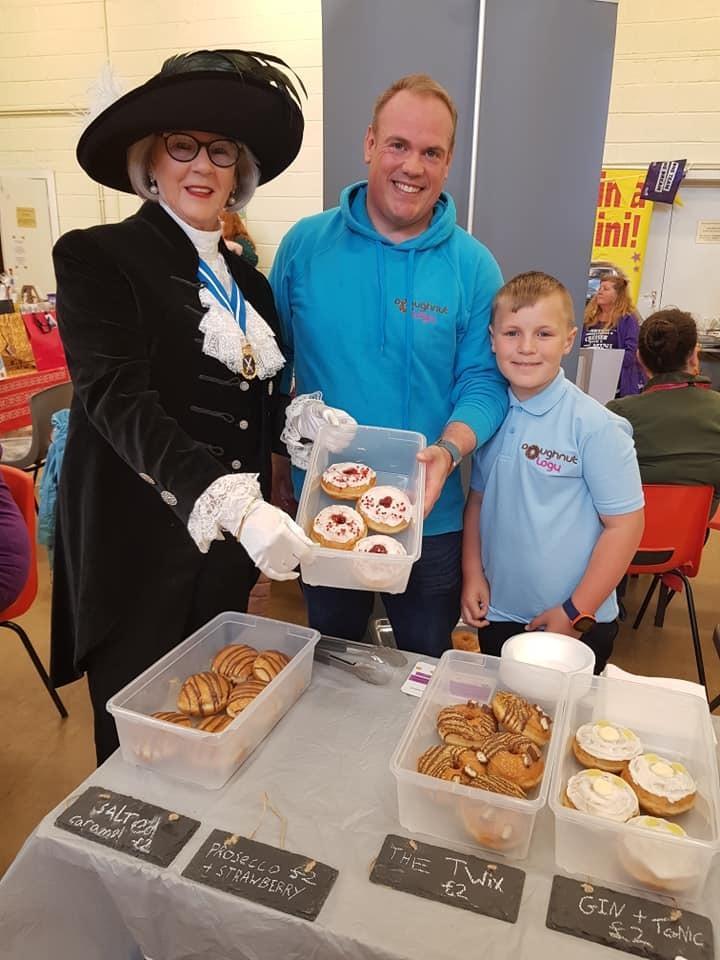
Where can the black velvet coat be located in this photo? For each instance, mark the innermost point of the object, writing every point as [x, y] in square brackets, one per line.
[153, 423]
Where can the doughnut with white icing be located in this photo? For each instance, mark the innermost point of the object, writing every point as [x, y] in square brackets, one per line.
[664, 788]
[655, 858]
[372, 570]
[347, 481]
[385, 509]
[338, 527]
[605, 746]
[601, 794]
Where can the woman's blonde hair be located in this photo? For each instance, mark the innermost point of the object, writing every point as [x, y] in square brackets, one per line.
[247, 172]
[622, 307]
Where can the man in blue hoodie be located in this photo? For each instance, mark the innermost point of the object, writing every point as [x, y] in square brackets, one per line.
[385, 306]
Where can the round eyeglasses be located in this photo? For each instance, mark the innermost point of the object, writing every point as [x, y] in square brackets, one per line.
[183, 147]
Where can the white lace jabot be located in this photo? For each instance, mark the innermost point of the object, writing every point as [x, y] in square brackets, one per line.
[224, 340]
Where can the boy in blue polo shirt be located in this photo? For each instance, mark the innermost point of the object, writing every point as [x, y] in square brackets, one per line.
[555, 511]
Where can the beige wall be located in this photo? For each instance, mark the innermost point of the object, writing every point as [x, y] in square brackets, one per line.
[665, 100]
[51, 52]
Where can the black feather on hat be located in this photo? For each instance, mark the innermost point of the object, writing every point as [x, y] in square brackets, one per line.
[240, 94]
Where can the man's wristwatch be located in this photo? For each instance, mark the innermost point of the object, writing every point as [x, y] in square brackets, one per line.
[454, 452]
[582, 622]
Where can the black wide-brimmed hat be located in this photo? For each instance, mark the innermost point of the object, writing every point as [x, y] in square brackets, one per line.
[239, 94]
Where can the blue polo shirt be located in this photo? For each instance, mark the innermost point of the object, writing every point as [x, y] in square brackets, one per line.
[557, 463]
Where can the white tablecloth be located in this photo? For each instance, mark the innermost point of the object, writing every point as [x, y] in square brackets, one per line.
[326, 768]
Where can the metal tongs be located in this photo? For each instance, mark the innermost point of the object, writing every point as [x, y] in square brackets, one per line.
[366, 661]
[389, 655]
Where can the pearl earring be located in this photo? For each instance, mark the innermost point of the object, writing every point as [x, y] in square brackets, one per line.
[153, 188]
[231, 199]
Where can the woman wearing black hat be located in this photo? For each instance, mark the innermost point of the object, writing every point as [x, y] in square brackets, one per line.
[171, 343]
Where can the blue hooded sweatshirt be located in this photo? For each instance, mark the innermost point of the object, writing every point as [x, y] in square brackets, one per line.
[394, 333]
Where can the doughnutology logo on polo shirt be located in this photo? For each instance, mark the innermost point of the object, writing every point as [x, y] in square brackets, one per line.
[547, 458]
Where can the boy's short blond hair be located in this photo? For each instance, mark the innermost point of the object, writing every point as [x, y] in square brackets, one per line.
[526, 289]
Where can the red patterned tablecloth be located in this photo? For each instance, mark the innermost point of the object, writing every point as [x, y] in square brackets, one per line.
[15, 392]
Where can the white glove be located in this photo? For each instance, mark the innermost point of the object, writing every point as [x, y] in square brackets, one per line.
[274, 542]
[303, 419]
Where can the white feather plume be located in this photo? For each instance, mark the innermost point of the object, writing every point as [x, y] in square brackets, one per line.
[104, 90]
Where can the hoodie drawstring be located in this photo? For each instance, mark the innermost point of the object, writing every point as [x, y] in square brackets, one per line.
[409, 334]
[382, 318]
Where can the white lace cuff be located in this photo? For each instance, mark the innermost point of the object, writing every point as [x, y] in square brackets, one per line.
[222, 507]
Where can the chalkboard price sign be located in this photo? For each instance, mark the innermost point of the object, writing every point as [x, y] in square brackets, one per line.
[457, 879]
[633, 924]
[141, 829]
[256, 871]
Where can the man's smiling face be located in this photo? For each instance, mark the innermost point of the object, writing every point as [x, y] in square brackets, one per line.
[408, 156]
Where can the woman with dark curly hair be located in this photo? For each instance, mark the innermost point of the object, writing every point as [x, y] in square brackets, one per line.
[676, 419]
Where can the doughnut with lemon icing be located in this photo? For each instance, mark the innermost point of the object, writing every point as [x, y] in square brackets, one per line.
[339, 527]
[601, 794]
[603, 745]
[385, 509]
[664, 788]
[655, 858]
[347, 481]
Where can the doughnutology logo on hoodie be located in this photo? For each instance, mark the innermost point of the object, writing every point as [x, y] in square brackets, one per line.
[423, 310]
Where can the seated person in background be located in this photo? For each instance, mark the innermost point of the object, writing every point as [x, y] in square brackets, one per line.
[236, 237]
[555, 511]
[14, 548]
[611, 322]
[676, 419]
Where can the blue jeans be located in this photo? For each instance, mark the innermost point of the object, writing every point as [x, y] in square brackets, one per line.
[422, 618]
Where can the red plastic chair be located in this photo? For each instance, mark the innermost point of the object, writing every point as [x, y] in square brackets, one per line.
[715, 520]
[676, 520]
[22, 488]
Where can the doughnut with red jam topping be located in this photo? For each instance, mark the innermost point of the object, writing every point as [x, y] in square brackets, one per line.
[347, 481]
[385, 509]
[338, 527]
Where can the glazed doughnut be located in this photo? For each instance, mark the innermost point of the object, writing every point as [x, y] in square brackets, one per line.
[235, 662]
[347, 481]
[203, 694]
[268, 665]
[338, 527]
[385, 509]
[442, 762]
[171, 716]
[519, 716]
[215, 724]
[465, 725]
[601, 794]
[514, 758]
[602, 745]
[493, 827]
[243, 695]
[498, 785]
[664, 788]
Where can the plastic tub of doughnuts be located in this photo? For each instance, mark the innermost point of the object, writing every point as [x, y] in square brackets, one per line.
[445, 805]
[366, 517]
[648, 737]
[199, 756]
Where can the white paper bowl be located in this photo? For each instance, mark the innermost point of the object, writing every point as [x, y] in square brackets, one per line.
[552, 650]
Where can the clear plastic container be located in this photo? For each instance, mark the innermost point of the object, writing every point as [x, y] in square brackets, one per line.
[391, 454]
[465, 817]
[674, 725]
[210, 759]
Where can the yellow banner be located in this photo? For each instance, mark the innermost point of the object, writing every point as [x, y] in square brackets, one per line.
[622, 223]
